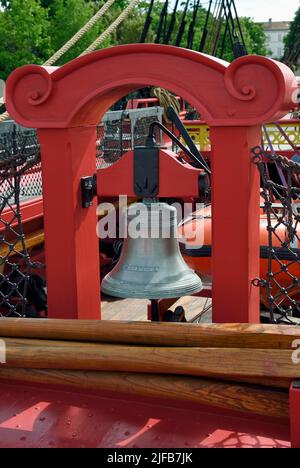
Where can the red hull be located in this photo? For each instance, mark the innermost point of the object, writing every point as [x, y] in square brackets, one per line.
[45, 418]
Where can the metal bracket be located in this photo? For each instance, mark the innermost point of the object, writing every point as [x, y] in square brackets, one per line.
[204, 187]
[146, 171]
[88, 190]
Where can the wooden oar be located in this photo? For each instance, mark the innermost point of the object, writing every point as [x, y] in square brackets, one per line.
[154, 334]
[243, 398]
[205, 362]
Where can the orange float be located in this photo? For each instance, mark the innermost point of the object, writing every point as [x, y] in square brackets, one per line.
[199, 255]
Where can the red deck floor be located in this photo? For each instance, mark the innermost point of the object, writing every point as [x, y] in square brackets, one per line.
[38, 417]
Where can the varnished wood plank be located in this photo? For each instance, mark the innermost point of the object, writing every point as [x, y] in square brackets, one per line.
[242, 398]
[262, 381]
[156, 334]
[31, 240]
[123, 309]
[203, 362]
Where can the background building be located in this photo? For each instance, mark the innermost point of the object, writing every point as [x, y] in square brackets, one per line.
[276, 32]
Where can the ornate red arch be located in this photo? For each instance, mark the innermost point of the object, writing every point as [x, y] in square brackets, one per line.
[249, 91]
[66, 104]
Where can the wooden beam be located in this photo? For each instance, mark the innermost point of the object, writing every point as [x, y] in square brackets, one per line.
[32, 240]
[242, 398]
[155, 334]
[202, 362]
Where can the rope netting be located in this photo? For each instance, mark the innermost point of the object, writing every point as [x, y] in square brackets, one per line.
[22, 290]
[280, 249]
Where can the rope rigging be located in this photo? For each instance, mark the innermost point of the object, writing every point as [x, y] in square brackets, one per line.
[191, 32]
[172, 23]
[83, 31]
[182, 25]
[217, 12]
[218, 27]
[236, 34]
[148, 22]
[238, 23]
[211, 26]
[111, 28]
[227, 32]
[55, 57]
[161, 29]
[205, 29]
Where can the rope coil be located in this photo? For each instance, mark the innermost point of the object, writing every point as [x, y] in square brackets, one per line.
[166, 99]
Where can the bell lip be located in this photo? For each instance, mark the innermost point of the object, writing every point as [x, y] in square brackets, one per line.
[182, 291]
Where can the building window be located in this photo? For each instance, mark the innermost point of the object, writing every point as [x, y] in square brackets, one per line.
[279, 52]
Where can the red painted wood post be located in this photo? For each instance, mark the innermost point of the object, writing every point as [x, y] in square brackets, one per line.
[235, 231]
[72, 252]
[295, 414]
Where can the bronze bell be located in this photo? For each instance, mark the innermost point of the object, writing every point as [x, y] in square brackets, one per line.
[151, 265]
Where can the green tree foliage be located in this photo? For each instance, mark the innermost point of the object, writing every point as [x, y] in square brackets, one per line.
[294, 32]
[32, 30]
[24, 35]
[292, 41]
[254, 36]
[66, 17]
[130, 31]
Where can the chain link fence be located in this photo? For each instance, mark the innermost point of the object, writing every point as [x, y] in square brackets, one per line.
[22, 291]
[280, 256]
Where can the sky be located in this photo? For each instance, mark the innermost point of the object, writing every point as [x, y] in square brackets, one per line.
[262, 10]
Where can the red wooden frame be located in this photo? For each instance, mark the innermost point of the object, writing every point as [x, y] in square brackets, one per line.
[175, 179]
[30, 210]
[67, 103]
[295, 414]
